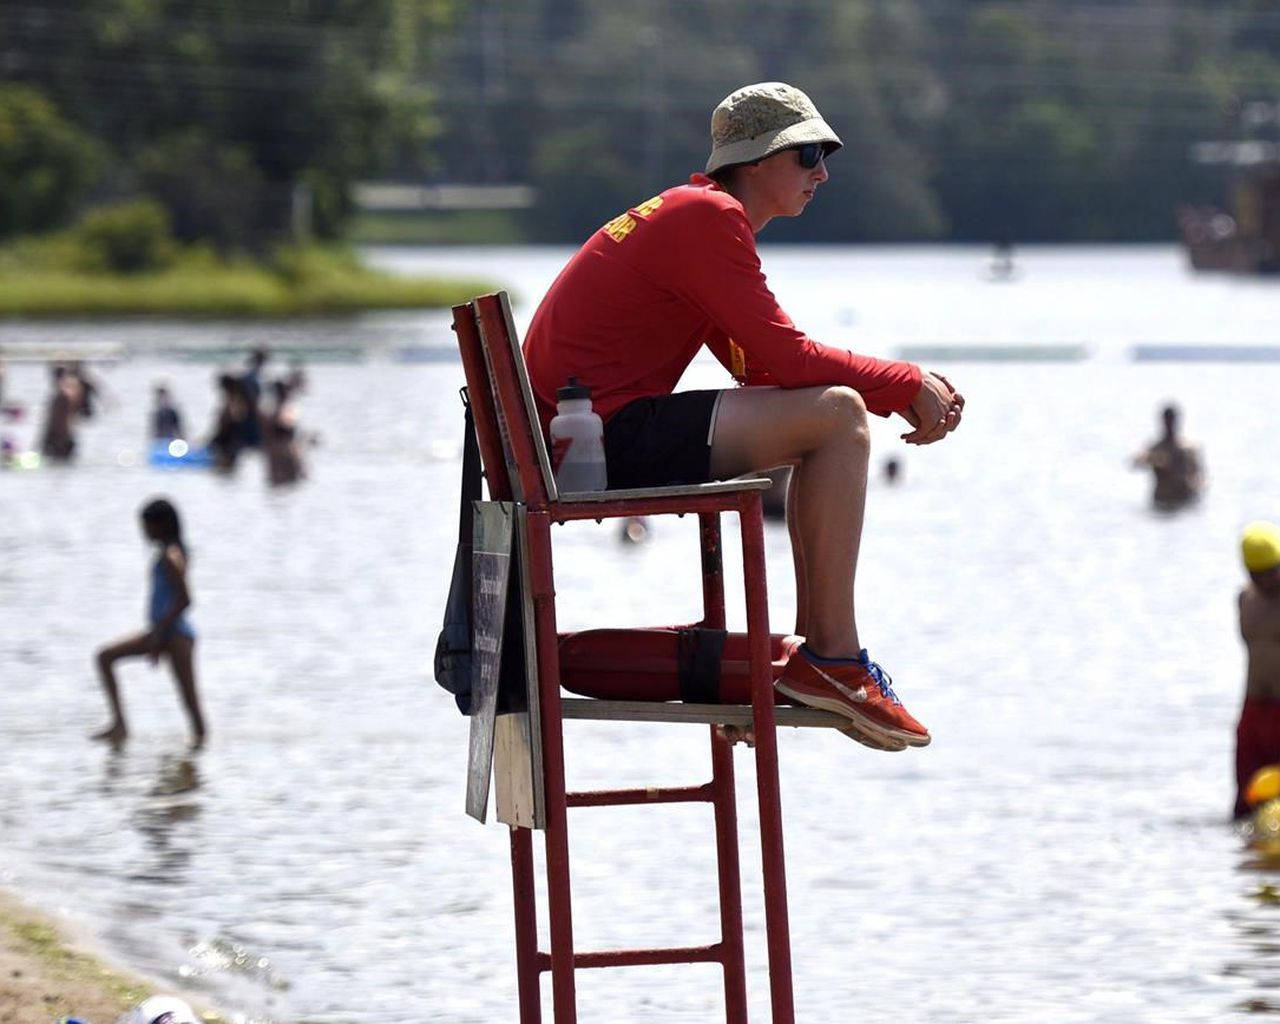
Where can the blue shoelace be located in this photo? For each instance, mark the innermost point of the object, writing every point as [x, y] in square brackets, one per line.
[882, 678]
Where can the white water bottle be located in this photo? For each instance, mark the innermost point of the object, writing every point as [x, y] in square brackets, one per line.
[577, 441]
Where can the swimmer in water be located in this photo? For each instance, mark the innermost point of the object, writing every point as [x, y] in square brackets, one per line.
[58, 440]
[1175, 464]
[169, 634]
[1258, 732]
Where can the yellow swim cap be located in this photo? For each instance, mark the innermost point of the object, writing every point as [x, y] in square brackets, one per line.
[1264, 785]
[1260, 546]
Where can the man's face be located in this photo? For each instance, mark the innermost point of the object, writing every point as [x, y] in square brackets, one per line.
[784, 185]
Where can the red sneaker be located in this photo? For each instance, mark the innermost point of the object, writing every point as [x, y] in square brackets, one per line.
[861, 691]
[854, 732]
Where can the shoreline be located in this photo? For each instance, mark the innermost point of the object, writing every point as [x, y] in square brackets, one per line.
[47, 973]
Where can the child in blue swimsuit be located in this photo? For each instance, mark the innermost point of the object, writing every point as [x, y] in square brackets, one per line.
[169, 631]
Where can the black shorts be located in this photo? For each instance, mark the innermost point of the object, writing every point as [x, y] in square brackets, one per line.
[661, 441]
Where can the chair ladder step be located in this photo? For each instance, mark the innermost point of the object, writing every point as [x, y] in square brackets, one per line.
[650, 795]
[642, 957]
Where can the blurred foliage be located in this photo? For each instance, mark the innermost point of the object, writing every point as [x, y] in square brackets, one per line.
[211, 191]
[964, 119]
[438, 227]
[1051, 120]
[46, 277]
[220, 109]
[46, 163]
[125, 238]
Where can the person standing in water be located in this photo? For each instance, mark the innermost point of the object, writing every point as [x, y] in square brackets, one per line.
[58, 440]
[1258, 732]
[227, 439]
[251, 389]
[170, 633]
[1175, 465]
[280, 438]
[166, 420]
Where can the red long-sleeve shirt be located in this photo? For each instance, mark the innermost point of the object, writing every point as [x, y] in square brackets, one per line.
[629, 312]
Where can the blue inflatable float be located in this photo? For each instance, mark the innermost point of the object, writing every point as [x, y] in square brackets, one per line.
[177, 454]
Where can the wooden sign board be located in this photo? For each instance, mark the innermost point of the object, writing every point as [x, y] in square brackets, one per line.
[505, 743]
[519, 797]
[490, 571]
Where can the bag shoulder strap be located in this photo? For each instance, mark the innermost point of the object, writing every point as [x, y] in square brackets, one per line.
[470, 490]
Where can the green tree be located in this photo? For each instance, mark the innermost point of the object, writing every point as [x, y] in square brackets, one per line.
[46, 163]
[873, 83]
[126, 238]
[326, 90]
[209, 189]
[601, 105]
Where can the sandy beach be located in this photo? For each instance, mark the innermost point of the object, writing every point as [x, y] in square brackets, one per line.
[46, 975]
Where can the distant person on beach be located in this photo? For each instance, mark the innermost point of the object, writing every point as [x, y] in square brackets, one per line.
[280, 437]
[169, 633]
[1258, 732]
[642, 296]
[1175, 465]
[58, 440]
[892, 470]
[166, 421]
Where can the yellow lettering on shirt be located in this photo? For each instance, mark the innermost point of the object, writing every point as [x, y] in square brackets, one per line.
[737, 361]
[648, 206]
[624, 224]
[620, 227]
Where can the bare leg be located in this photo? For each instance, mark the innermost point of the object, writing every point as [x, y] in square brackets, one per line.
[182, 661]
[823, 432]
[797, 554]
[130, 647]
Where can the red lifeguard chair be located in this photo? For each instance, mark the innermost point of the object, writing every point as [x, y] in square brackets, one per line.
[530, 765]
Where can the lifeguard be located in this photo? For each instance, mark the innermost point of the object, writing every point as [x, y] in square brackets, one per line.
[651, 287]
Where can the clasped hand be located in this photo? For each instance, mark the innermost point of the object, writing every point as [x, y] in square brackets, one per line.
[934, 412]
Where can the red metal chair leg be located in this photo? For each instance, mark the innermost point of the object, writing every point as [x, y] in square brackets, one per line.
[712, 570]
[526, 914]
[769, 791]
[730, 875]
[559, 900]
[725, 803]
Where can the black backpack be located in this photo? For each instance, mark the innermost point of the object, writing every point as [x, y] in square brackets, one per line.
[453, 647]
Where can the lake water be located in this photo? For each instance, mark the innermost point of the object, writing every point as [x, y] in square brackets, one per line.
[1061, 852]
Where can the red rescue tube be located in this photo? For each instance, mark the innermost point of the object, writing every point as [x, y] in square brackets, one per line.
[648, 664]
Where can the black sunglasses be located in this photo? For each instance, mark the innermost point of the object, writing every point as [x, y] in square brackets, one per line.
[810, 154]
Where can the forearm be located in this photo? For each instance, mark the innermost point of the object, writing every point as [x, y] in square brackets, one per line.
[760, 345]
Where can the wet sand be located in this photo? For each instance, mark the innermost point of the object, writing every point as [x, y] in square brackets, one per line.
[47, 974]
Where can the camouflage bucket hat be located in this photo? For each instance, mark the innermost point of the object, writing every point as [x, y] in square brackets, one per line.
[758, 120]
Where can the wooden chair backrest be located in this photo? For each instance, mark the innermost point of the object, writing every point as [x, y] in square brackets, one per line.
[512, 447]
[480, 396]
[528, 463]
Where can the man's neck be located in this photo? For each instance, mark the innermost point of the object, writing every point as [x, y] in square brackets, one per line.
[756, 216]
